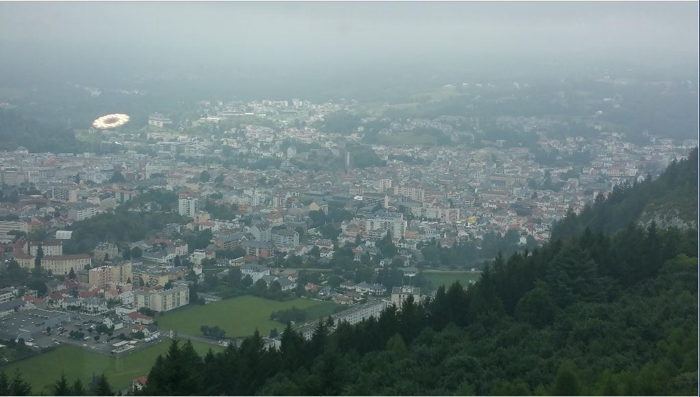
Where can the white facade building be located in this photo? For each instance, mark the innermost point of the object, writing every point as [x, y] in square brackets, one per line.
[188, 206]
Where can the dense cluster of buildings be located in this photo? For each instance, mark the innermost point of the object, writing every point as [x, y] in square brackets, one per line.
[282, 200]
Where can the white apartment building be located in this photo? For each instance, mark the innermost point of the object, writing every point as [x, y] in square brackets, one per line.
[413, 193]
[188, 205]
[393, 223]
[163, 300]
[81, 211]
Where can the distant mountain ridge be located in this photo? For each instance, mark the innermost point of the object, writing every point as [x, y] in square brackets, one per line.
[669, 201]
[17, 130]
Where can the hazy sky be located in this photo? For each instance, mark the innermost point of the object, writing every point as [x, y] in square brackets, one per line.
[103, 38]
[360, 27]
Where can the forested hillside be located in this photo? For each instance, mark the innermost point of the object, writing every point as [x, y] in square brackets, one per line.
[592, 315]
[669, 200]
[16, 130]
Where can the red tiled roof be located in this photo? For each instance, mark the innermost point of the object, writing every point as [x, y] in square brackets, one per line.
[142, 380]
[136, 315]
[66, 257]
[33, 300]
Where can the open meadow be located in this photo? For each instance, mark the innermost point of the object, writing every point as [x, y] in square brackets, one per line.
[239, 316]
[43, 370]
[447, 278]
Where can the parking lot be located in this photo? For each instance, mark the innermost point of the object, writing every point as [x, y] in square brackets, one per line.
[85, 324]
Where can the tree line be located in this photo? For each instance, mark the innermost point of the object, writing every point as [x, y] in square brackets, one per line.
[676, 188]
[595, 314]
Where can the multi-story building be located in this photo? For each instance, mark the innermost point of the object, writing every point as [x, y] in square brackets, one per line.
[55, 264]
[102, 276]
[49, 248]
[285, 238]
[352, 315]
[387, 221]
[61, 193]
[105, 250]
[81, 211]
[255, 272]
[260, 249]
[447, 215]
[8, 226]
[180, 248]
[400, 294]
[158, 120]
[413, 193]
[187, 205]
[261, 231]
[362, 312]
[383, 185]
[163, 300]
[7, 294]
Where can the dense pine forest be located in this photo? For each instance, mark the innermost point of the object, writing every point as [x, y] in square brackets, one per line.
[592, 315]
[672, 195]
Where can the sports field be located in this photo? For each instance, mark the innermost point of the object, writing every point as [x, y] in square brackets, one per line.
[239, 316]
[43, 370]
[447, 278]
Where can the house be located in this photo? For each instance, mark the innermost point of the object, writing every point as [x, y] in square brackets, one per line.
[116, 323]
[342, 299]
[105, 251]
[257, 248]
[256, 272]
[400, 294]
[137, 384]
[262, 231]
[139, 318]
[349, 285]
[287, 284]
[197, 256]
[373, 289]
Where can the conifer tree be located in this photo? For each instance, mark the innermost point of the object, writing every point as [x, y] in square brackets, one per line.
[61, 388]
[19, 387]
[4, 384]
[77, 389]
[101, 387]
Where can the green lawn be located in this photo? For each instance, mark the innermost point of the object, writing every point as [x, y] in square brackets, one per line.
[43, 370]
[447, 278]
[239, 316]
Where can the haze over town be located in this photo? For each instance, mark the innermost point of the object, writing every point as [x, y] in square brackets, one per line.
[235, 174]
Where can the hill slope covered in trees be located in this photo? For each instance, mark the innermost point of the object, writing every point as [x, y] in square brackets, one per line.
[16, 130]
[592, 315]
[669, 200]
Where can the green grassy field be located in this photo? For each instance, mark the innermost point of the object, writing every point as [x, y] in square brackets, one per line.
[239, 316]
[446, 278]
[43, 370]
